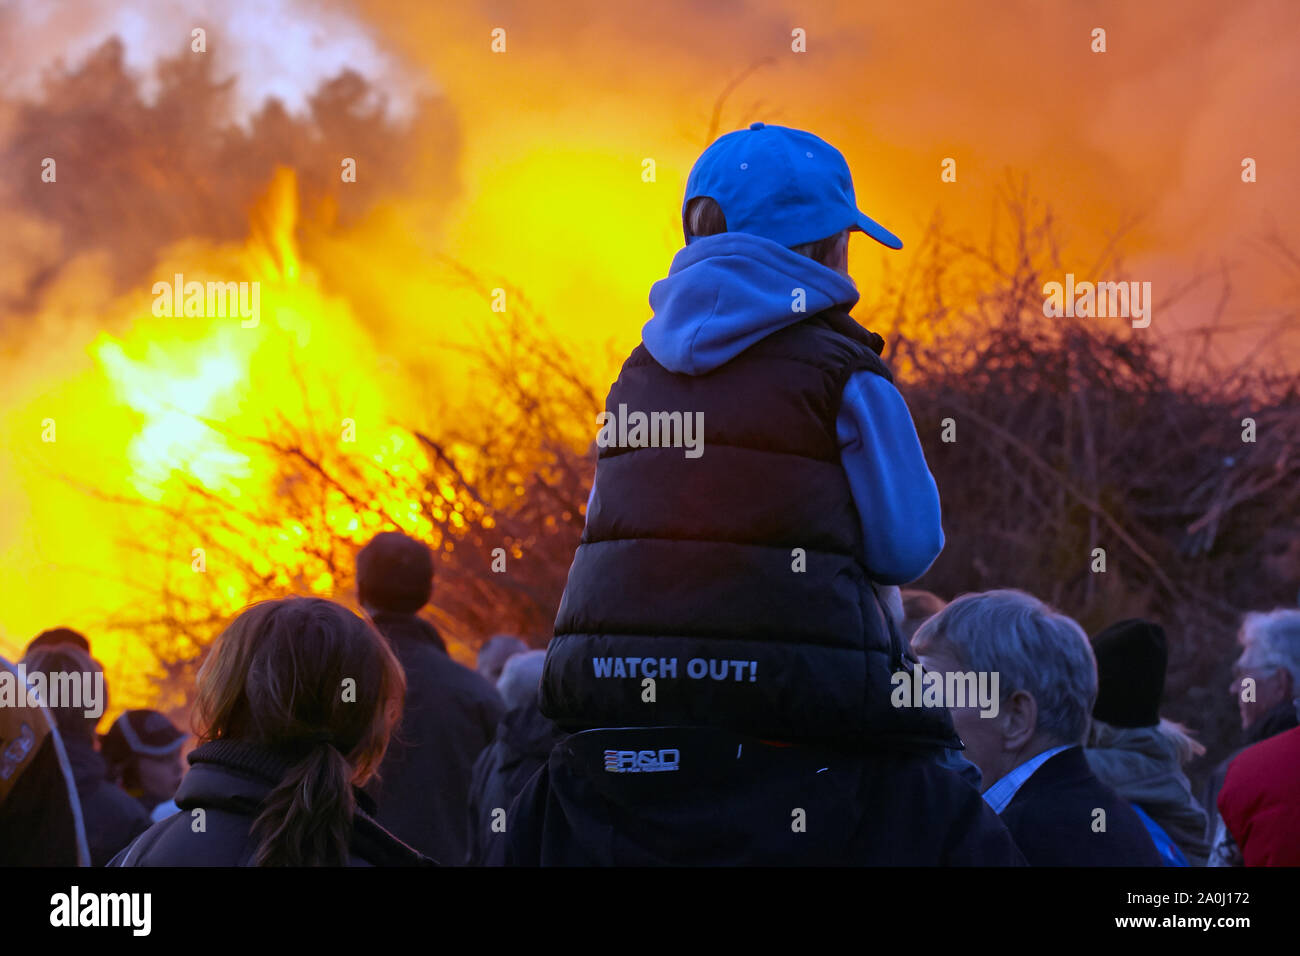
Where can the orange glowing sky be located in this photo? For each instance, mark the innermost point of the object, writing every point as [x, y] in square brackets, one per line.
[551, 199]
[1155, 128]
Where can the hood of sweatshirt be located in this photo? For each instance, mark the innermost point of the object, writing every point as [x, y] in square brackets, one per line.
[726, 292]
[1144, 766]
[1140, 763]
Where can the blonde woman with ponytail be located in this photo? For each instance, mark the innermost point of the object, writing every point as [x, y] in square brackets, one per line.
[296, 702]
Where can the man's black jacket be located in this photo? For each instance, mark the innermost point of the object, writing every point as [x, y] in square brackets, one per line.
[1055, 820]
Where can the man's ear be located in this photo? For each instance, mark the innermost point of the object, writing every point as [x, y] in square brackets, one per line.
[1019, 720]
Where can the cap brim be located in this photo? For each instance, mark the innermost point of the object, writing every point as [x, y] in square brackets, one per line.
[878, 232]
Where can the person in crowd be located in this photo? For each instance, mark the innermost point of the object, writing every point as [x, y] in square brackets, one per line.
[915, 607]
[451, 712]
[1135, 751]
[143, 751]
[1266, 688]
[911, 607]
[1029, 747]
[296, 702]
[59, 635]
[494, 653]
[112, 819]
[918, 607]
[721, 650]
[524, 741]
[40, 819]
[1259, 805]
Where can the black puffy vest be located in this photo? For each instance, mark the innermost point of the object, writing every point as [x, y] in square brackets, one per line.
[736, 579]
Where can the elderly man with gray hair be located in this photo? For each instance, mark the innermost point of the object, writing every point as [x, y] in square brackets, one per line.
[1029, 747]
[1266, 687]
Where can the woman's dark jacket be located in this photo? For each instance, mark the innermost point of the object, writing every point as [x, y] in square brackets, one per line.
[228, 781]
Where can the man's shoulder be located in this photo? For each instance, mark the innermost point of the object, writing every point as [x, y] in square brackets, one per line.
[454, 678]
[1064, 805]
[1064, 778]
[923, 777]
[467, 677]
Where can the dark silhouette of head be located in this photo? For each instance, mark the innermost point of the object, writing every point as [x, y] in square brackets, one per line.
[394, 573]
[59, 635]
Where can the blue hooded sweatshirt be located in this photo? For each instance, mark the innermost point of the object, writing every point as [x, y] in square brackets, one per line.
[723, 293]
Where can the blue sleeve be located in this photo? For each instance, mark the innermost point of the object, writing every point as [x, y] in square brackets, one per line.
[892, 487]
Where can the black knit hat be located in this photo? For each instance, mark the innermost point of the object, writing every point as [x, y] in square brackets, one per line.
[59, 635]
[1131, 659]
[395, 573]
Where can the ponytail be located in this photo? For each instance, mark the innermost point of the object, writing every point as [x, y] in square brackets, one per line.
[307, 819]
[274, 679]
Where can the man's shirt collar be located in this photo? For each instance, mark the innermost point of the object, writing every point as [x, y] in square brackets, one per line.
[1001, 793]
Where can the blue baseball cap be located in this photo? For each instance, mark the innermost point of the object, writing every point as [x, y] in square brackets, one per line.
[782, 184]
